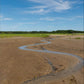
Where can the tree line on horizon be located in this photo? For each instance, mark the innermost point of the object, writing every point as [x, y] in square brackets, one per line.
[30, 32]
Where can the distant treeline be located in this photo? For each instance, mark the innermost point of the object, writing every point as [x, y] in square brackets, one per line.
[30, 32]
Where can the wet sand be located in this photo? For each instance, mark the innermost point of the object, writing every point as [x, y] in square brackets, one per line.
[17, 66]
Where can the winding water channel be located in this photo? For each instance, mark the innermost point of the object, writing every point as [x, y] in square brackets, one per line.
[53, 76]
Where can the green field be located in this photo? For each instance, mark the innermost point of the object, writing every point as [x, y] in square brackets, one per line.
[2, 35]
[23, 35]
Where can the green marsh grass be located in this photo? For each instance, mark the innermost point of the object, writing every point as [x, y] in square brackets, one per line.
[3, 35]
[77, 38]
[23, 35]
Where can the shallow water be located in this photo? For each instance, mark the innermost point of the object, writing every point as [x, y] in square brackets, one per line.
[51, 76]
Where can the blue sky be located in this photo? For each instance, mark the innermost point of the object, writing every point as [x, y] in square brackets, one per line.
[41, 15]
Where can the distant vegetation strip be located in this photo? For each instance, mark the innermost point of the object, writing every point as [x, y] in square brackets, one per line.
[38, 33]
[43, 32]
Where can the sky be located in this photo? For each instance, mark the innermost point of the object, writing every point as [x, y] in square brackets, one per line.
[41, 15]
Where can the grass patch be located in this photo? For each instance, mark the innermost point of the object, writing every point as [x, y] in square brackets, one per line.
[69, 34]
[77, 38]
[22, 35]
[78, 33]
[4, 35]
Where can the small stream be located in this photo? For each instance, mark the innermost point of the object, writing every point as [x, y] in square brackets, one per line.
[52, 76]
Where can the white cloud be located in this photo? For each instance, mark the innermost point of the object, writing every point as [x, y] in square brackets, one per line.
[48, 19]
[79, 16]
[7, 19]
[38, 11]
[2, 18]
[31, 23]
[61, 18]
[46, 6]
[38, 7]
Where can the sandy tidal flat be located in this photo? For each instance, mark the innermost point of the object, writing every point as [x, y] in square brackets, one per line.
[17, 66]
